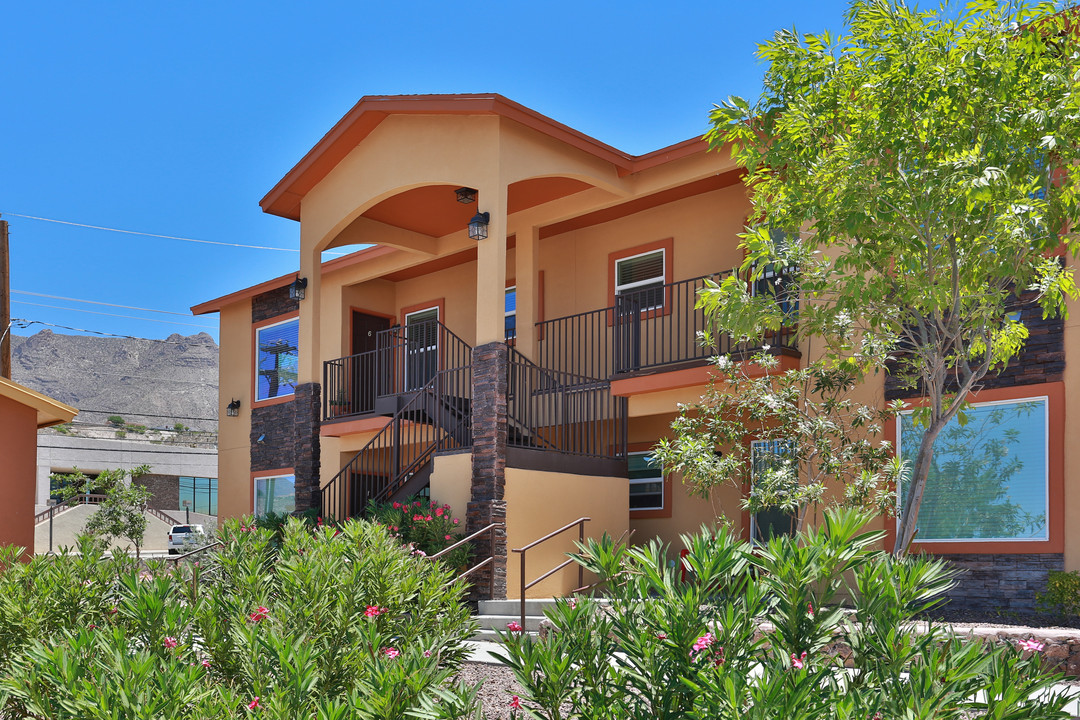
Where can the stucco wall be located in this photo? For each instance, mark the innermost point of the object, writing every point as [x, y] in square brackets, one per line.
[18, 446]
[538, 503]
[235, 382]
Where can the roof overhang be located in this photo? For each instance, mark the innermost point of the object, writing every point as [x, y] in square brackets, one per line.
[49, 411]
[285, 197]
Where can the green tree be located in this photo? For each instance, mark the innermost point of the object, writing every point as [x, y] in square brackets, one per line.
[929, 161]
[122, 514]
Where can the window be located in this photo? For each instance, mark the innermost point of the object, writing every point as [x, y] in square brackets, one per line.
[646, 482]
[770, 522]
[421, 347]
[510, 312]
[277, 359]
[201, 493]
[989, 477]
[275, 494]
[641, 278]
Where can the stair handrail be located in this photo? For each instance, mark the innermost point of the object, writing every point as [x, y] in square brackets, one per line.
[80, 499]
[486, 561]
[580, 524]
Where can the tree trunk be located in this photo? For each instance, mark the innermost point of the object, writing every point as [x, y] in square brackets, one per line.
[905, 533]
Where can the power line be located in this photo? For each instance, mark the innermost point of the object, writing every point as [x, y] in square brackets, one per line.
[24, 324]
[113, 450]
[134, 413]
[157, 235]
[129, 317]
[98, 302]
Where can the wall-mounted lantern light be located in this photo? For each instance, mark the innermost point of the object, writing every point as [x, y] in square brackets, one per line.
[233, 409]
[465, 195]
[478, 226]
[296, 290]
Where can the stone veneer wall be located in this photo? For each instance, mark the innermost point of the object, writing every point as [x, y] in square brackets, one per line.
[999, 582]
[289, 430]
[487, 504]
[164, 490]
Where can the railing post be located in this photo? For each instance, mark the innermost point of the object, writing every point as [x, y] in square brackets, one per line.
[580, 567]
[523, 590]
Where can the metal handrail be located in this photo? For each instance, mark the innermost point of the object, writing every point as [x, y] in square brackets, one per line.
[580, 523]
[490, 559]
[80, 499]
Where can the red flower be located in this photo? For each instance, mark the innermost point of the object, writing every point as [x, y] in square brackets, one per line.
[391, 652]
[254, 703]
[259, 615]
[417, 518]
[417, 503]
[661, 636]
[515, 702]
[428, 518]
[447, 537]
[397, 506]
[169, 642]
[373, 611]
[439, 512]
[514, 626]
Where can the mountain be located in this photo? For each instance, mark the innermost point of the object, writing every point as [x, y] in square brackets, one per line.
[147, 382]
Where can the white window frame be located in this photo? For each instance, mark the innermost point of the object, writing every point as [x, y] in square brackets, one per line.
[258, 359]
[255, 488]
[642, 481]
[753, 516]
[630, 287]
[1046, 464]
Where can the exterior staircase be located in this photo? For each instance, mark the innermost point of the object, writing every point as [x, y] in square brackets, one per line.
[494, 615]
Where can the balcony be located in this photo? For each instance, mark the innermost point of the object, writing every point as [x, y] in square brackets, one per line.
[649, 330]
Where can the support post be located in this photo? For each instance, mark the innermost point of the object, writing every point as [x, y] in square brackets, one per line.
[487, 503]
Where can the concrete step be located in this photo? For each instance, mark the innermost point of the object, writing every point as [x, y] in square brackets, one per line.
[491, 636]
[534, 606]
[499, 622]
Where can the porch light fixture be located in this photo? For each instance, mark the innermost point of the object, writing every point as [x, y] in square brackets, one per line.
[233, 409]
[296, 290]
[478, 226]
[465, 195]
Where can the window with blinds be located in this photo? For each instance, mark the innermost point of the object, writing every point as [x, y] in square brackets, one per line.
[646, 482]
[640, 278]
[989, 478]
[277, 359]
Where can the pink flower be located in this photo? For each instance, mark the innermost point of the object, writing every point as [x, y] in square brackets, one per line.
[113, 610]
[661, 636]
[391, 652]
[798, 662]
[417, 503]
[206, 664]
[427, 653]
[428, 518]
[433, 503]
[373, 611]
[397, 506]
[515, 702]
[319, 522]
[439, 512]
[259, 615]
[514, 626]
[456, 521]
[394, 528]
[419, 553]
[446, 537]
[703, 642]
[91, 626]
[810, 610]
[572, 602]
[1031, 645]
[417, 518]
[254, 703]
[169, 642]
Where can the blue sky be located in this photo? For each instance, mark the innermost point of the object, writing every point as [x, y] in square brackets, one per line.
[176, 118]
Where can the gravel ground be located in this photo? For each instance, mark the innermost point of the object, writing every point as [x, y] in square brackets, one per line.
[498, 688]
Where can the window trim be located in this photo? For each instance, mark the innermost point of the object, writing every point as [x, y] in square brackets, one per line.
[668, 246]
[255, 328]
[1046, 456]
[649, 513]
[1054, 393]
[257, 475]
[510, 285]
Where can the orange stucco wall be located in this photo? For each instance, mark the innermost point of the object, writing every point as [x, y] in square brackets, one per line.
[18, 473]
[234, 433]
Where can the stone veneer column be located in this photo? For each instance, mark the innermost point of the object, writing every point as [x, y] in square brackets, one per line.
[306, 418]
[487, 505]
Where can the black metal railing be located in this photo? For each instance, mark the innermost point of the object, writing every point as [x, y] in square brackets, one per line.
[405, 359]
[564, 412]
[436, 417]
[649, 328]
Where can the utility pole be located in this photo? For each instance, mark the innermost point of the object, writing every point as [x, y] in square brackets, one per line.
[5, 303]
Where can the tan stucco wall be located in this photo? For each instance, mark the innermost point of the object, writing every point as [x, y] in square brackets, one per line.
[234, 433]
[451, 482]
[1072, 448]
[18, 473]
[538, 503]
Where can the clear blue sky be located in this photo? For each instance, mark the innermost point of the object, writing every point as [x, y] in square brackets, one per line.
[176, 118]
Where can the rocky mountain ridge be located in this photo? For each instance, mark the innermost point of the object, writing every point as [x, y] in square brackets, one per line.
[156, 383]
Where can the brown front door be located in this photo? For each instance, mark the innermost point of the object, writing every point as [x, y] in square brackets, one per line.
[364, 382]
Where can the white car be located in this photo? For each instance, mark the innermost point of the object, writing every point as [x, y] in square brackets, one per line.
[185, 535]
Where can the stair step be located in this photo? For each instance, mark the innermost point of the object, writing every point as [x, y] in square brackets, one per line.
[534, 606]
[499, 622]
[492, 636]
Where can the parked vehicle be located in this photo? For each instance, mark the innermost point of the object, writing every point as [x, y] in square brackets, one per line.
[181, 535]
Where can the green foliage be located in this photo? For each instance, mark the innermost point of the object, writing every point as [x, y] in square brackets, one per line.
[136, 428]
[928, 161]
[180, 427]
[1062, 596]
[658, 648]
[122, 513]
[827, 437]
[116, 420]
[425, 526]
[121, 434]
[331, 623]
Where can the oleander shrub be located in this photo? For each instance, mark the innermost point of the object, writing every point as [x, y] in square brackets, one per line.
[753, 632]
[329, 623]
[426, 526]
